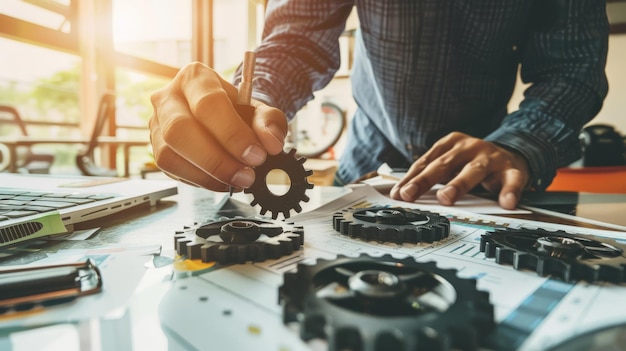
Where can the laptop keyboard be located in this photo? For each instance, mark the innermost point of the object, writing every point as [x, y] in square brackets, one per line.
[16, 203]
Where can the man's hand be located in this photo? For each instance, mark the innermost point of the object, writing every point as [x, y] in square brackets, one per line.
[462, 162]
[198, 137]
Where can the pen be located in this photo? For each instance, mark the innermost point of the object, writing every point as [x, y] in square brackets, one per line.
[244, 93]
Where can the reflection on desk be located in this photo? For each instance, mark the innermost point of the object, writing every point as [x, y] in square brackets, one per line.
[12, 143]
[235, 307]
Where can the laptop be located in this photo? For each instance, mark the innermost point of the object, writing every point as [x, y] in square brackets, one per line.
[35, 205]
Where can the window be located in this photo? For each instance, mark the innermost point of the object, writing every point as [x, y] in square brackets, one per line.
[162, 33]
[58, 55]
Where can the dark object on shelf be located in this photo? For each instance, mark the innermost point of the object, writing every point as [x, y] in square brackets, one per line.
[602, 146]
[28, 160]
[84, 160]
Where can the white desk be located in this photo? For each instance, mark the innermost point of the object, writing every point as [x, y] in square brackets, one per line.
[213, 309]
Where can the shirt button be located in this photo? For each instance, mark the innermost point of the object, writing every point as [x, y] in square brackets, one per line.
[514, 48]
[409, 147]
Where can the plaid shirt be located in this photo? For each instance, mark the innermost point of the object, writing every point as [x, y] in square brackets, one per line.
[424, 68]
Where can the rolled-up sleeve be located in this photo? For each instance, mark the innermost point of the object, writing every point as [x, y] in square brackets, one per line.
[565, 63]
[299, 53]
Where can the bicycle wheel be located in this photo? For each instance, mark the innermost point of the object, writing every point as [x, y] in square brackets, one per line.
[317, 134]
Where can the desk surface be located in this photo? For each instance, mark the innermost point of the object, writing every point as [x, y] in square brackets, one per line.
[150, 324]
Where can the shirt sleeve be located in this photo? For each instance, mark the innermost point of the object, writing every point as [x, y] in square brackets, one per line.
[564, 60]
[299, 53]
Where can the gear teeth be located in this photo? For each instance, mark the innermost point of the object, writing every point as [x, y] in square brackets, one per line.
[523, 260]
[391, 225]
[504, 256]
[294, 168]
[346, 338]
[389, 340]
[275, 239]
[464, 325]
[565, 256]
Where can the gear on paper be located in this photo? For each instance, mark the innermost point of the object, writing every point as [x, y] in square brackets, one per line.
[569, 257]
[387, 224]
[239, 240]
[384, 303]
[294, 168]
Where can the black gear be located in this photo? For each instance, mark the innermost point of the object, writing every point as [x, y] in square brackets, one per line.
[565, 256]
[387, 224]
[294, 167]
[383, 303]
[239, 240]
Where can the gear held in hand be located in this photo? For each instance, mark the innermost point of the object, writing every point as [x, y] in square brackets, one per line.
[388, 224]
[565, 256]
[384, 303]
[298, 184]
[239, 240]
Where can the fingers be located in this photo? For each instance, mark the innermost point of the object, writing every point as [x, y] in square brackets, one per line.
[199, 138]
[437, 165]
[176, 166]
[210, 100]
[462, 162]
[471, 175]
[513, 183]
[270, 126]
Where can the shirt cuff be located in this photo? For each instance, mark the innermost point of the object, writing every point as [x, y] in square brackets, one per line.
[527, 136]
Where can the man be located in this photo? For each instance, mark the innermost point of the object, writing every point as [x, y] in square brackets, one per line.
[431, 78]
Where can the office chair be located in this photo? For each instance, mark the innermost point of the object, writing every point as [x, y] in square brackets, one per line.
[84, 160]
[28, 161]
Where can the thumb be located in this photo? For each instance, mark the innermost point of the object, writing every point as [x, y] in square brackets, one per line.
[270, 126]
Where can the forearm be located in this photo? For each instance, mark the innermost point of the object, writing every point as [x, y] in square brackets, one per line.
[299, 53]
[565, 65]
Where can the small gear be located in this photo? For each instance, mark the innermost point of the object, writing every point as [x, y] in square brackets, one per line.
[387, 224]
[565, 256]
[239, 240]
[384, 303]
[294, 168]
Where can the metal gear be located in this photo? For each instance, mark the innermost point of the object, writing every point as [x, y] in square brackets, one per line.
[383, 303]
[565, 256]
[294, 168]
[239, 240]
[387, 224]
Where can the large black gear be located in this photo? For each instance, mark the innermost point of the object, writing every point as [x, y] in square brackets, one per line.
[389, 224]
[294, 168]
[565, 256]
[383, 303]
[239, 240]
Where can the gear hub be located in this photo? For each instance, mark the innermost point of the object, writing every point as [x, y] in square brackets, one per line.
[239, 240]
[387, 224]
[269, 201]
[569, 257]
[384, 303]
